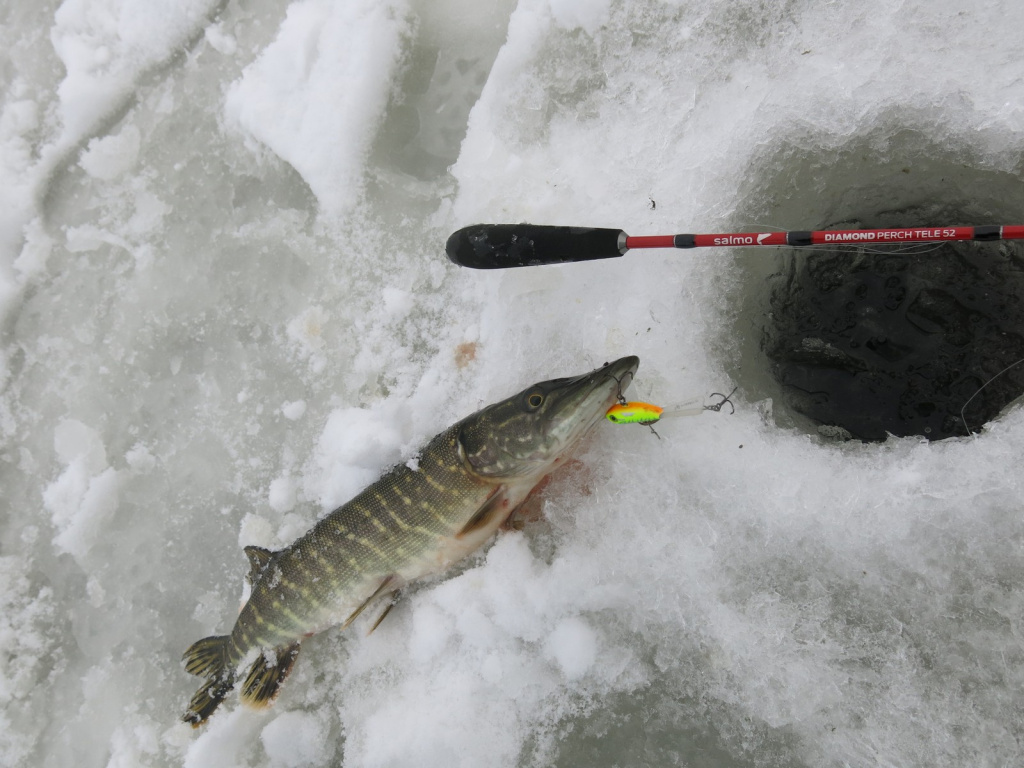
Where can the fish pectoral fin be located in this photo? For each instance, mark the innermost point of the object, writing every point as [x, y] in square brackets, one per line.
[496, 504]
[530, 510]
[387, 609]
[263, 682]
[258, 560]
[384, 587]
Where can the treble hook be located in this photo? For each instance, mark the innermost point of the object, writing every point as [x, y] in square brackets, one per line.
[725, 399]
[619, 396]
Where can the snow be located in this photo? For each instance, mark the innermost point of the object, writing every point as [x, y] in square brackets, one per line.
[296, 739]
[282, 494]
[573, 646]
[589, 15]
[105, 46]
[315, 95]
[226, 309]
[108, 157]
[294, 410]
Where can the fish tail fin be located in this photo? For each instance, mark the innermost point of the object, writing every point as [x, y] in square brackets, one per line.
[263, 682]
[207, 699]
[207, 657]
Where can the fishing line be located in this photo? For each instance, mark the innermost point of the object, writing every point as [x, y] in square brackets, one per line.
[905, 249]
[910, 249]
[964, 418]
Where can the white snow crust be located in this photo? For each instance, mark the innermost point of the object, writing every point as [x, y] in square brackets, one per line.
[226, 308]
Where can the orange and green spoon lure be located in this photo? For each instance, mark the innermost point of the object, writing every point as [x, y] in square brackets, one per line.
[634, 413]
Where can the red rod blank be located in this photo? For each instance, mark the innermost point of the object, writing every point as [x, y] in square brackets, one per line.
[829, 237]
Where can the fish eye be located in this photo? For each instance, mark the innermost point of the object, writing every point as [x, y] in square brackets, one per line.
[535, 400]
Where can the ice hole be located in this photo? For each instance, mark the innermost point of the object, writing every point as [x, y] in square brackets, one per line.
[866, 340]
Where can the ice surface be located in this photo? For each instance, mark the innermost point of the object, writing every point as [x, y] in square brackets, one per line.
[226, 308]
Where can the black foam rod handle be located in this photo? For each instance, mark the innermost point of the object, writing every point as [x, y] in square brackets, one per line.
[500, 246]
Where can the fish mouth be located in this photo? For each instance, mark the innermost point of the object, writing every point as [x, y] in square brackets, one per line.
[583, 401]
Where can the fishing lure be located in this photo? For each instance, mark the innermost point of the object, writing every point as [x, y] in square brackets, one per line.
[624, 412]
[634, 413]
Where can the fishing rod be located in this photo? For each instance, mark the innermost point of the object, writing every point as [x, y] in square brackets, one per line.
[501, 246]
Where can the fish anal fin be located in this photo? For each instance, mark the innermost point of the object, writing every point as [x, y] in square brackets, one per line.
[387, 609]
[496, 505]
[259, 558]
[384, 587]
[263, 681]
[207, 699]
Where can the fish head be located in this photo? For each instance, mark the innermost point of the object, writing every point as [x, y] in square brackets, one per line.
[527, 433]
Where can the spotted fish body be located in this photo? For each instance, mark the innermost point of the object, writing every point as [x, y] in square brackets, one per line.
[416, 520]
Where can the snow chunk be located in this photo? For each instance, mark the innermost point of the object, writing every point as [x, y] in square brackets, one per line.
[573, 646]
[221, 41]
[397, 303]
[88, 238]
[35, 252]
[108, 157]
[85, 495]
[294, 410]
[282, 494]
[317, 93]
[86, 512]
[355, 447]
[140, 459]
[588, 15]
[256, 530]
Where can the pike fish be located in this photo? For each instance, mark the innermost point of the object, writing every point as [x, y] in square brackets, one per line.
[416, 520]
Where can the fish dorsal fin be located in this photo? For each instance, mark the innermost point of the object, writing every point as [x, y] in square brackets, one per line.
[259, 558]
[496, 504]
